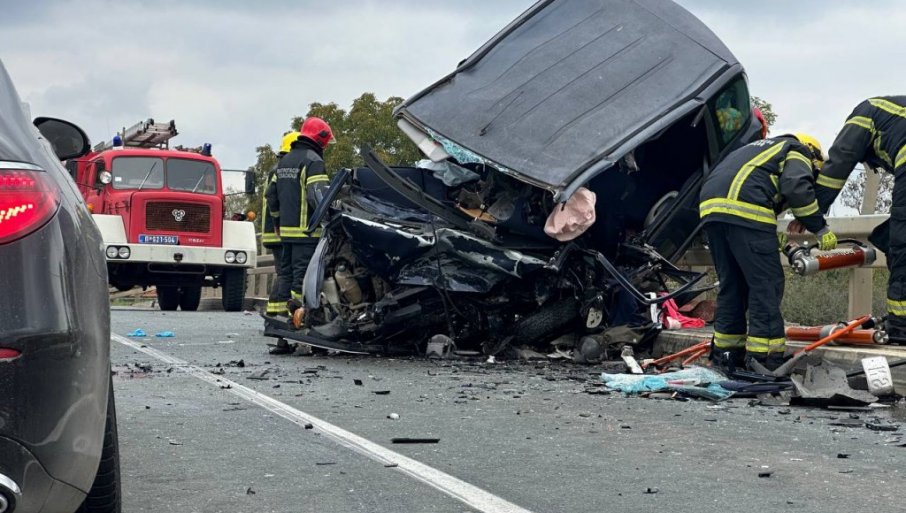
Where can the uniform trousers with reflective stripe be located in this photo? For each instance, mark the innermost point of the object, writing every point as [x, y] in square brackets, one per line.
[296, 255]
[896, 264]
[747, 262]
[274, 305]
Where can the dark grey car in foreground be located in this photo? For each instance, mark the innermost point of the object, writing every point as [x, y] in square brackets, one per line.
[58, 442]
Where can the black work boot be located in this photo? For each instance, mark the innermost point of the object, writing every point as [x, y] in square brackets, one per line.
[769, 361]
[895, 326]
[727, 359]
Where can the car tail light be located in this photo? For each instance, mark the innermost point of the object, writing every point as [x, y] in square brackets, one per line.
[8, 355]
[28, 198]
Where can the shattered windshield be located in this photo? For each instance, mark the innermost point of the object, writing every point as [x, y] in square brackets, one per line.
[191, 176]
[137, 173]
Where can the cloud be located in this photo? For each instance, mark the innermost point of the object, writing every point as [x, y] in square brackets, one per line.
[232, 73]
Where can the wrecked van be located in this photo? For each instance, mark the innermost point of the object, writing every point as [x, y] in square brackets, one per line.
[563, 165]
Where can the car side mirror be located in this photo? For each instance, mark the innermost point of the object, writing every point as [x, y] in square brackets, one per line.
[250, 183]
[67, 140]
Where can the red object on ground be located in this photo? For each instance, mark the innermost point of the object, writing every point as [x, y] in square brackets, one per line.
[672, 311]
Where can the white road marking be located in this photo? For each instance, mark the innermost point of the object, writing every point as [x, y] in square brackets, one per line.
[469, 494]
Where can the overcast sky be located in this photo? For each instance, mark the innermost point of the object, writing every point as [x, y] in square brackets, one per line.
[234, 72]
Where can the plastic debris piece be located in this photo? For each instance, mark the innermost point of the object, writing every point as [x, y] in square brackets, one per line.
[393, 416]
[164, 334]
[825, 385]
[636, 383]
[138, 332]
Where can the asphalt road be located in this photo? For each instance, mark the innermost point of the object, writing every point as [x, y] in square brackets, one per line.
[513, 436]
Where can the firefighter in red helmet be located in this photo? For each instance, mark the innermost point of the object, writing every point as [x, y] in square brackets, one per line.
[764, 122]
[300, 183]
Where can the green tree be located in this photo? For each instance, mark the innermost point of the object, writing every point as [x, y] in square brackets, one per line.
[266, 161]
[369, 121]
[766, 109]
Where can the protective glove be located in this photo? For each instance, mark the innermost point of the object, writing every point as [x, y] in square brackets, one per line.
[826, 239]
[782, 239]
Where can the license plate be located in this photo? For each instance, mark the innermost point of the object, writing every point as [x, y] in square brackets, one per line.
[158, 239]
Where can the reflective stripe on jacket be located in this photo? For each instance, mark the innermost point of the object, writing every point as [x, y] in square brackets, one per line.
[758, 181]
[269, 223]
[298, 170]
[875, 132]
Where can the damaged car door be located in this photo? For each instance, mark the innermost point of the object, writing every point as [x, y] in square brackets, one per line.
[564, 159]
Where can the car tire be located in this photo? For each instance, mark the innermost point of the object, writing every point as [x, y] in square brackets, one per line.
[233, 282]
[106, 495]
[123, 287]
[168, 298]
[189, 298]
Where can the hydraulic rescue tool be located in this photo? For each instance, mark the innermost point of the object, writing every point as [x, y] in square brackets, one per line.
[787, 367]
[804, 263]
[857, 337]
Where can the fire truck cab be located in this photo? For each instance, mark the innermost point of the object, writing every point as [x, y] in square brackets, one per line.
[161, 213]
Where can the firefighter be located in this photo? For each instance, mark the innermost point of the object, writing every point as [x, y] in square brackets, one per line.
[300, 182]
[875, 133]
[740, 201]
[270, 236]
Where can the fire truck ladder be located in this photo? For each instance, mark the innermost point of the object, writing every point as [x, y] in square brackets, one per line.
[144, 134]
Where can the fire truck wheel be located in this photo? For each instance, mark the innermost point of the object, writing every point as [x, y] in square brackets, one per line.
[168, 298]
[189, 298]
[233, 283]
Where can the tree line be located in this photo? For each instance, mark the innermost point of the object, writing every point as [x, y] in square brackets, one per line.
[368, 121]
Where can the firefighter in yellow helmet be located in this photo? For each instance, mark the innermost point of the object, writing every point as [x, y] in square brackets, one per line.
[270, 239]
[740, 201]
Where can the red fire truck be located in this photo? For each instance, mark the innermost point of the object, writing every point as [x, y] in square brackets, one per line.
[161, 212]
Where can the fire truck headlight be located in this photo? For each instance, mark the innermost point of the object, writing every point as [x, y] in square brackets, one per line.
[229, 257]
[241, 257]
[112, 252]
[124, 252]
[105, 177]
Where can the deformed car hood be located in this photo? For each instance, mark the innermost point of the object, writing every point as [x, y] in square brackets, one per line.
[571, 85]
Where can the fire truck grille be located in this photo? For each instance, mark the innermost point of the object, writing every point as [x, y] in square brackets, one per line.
[178, 217]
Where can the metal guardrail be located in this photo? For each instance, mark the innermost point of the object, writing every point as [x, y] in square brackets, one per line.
[261, 277]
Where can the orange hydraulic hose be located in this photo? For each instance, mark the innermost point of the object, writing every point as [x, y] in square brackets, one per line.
[812, 333]
[835, 335]
[688, 351]
[695, 356]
